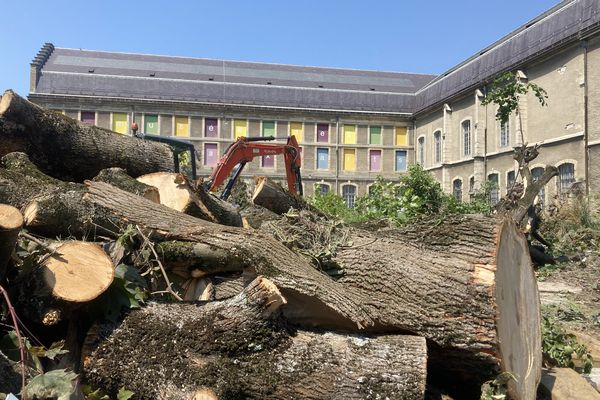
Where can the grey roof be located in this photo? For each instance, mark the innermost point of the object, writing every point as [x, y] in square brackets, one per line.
[567, 22]
[95, 73]
[108, 74]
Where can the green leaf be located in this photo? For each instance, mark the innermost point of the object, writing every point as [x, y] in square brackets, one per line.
[57, 383]
[124, 394]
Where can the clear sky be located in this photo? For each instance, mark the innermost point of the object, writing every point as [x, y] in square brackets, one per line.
[425, 36]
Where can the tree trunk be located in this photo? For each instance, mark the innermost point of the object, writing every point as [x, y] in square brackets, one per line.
[275, 198]
[11, 222]
[240, 348]
[69, 150]
[119, 178]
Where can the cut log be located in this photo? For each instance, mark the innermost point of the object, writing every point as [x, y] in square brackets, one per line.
[119, 178]
[69, 150]
[240, 348]
[273, 197]
[178, 193]
[11, 222]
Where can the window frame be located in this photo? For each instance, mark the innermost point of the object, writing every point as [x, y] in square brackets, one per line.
[380, 160]
[504, 134]
[355, 195]
[494, 196]
[157, 122]
[458, 198]
[396, 160]
[204, 154]
[421, 150]
[466, 144]
[437, 146]
[317, 159]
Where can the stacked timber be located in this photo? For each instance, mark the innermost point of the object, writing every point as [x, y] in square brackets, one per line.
[245, 312]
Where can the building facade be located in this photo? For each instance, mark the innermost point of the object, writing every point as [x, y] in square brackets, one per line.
[356, 125]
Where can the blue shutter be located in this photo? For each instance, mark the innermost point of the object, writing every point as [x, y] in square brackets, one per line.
[400, 160]
[322, 158]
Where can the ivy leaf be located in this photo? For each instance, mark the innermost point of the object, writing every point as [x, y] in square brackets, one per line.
[124, 394]
[57, 383]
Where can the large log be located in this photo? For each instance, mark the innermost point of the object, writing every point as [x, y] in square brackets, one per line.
[273, 197]
[118, 177]
[240, 348]
[69, 150]
[11, 222]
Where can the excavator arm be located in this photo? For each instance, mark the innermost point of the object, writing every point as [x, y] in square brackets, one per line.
[245, 149]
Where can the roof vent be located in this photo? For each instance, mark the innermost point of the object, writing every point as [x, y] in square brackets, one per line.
[321, 86]
[372, 89]
[152, 74]
[211, 79]
[91, 70]
[268, 83]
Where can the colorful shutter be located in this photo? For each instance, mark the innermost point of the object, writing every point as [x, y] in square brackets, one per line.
[349, 134]
[268, 161]
[119, 123]
[240, 128]
[375, 135]
[268, 128]
[88, 117]
[323, 133]
[211, 127]
[296, 130]
[349, 160]
[401, 136]
[322, 158]
[400, 160]
[210, 154]
[182, 126]
[151, 124]
[375, 160]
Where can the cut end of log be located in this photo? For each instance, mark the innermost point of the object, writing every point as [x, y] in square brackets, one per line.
[30, 213]
[262, 291]
[518, 318]
[10, 218]
[78, 272]
[5, 100]
[205, 394]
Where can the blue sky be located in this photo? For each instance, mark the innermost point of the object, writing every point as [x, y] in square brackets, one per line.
[426, 36]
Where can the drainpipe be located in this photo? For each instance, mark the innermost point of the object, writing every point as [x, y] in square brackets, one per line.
[586, 137]
[337, 154]
[485, 138]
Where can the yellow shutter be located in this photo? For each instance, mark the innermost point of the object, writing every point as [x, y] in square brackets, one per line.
[349, 160]
[119, 123]
[349, 134]
[182, 126]
[240, 128]
[296, 130]
[401, 136]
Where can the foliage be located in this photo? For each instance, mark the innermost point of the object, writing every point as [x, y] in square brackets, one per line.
[497, 389]
[334, 205]
[127, 290]
[562, 348]
[505, 92]
[9, 346]
[98, 394]
[547, 270]
[57, 383]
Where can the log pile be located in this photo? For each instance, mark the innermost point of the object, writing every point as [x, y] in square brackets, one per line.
[289, 306]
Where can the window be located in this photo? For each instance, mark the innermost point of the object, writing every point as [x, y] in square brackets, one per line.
[240, 128]
[119, 123]
[374, 135]
[211, 127]
[401, 136]
[268, 128]
[536, 174]
[400, 160]
[322, 133]
[437, 147]
[182, 126]
[210, 154]
[566, 177]
[494, 191]
[349, 195]
[322, 158]
[510, 180]
[349, 134]
[374, 160]
[349, 160]
[472, 184]
[296, 130]
[457, 190]
[88, 117]
[466, 134]
[268, 161]
[151, 124]
[321, 188]
[421, 148]
[504, 135]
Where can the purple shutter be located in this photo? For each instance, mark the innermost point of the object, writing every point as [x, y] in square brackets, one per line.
[88, 117]
[210, 154]
[323, 133]
[268, 161]
[211, 126]
[375, 160]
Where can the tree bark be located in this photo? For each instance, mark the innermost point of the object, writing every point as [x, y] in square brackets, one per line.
[273, 197]
[69, 150]
[119, 178]
[11, 222]
[240, 348]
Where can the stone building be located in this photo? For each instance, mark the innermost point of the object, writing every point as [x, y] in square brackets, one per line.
[356, 125]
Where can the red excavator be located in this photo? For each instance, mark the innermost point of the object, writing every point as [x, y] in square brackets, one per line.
[244, 149]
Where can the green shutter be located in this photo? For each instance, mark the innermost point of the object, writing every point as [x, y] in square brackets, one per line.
[375, 135]
[151, 124]
[268, 128]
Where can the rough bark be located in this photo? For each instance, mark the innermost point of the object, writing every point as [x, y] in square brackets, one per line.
[12, 138]
[273, 197]
[240, 348]
[69, 150]
[255, 216]
[119, 178]
[11, 222]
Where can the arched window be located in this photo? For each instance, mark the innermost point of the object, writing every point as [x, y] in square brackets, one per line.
[472, 185]
[457, 190]
[466, 134]
[437, 147]
[321, 188]
[422, 150]
[566, 177]
[504, 134]
[536, 174]
[494, 189]
[349, 195]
